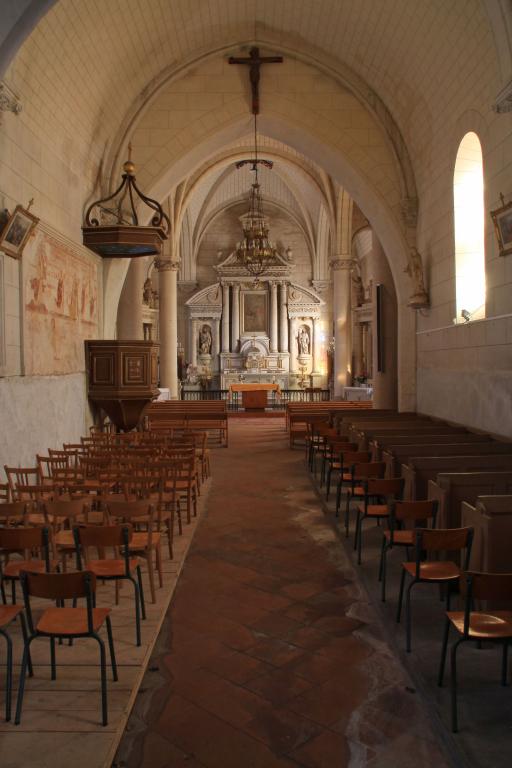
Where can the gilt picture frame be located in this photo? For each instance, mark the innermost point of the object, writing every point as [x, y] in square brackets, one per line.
[17, 231]
[502, 219]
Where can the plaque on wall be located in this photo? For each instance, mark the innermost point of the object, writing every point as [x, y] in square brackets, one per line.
[255, 313]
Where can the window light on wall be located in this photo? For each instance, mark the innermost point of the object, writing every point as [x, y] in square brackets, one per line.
[468, 198]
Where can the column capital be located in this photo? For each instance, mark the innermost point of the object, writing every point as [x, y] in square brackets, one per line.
[165, 265]
[342, 261]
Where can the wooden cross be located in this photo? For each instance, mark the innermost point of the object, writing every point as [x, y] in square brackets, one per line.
[254, 62]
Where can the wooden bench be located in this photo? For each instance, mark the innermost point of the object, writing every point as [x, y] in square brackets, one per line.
[450, 489]
[396, 455]
[491, 518]
[388, 442]
[297, 419]
[419, 470]
[363, 435]
[207, 415]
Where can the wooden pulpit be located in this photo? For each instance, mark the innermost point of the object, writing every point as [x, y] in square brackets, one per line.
[122, 378]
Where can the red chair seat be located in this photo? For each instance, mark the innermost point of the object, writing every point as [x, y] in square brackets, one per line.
[70, 621]
[8, 613]
[403, 538]
[375, 510]
[434, 571]
[13, 569]
[110, 568]
[497, 624]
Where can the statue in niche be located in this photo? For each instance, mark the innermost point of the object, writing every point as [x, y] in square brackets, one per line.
[414, 269]
[303, 339]
[205, 340]
[358, 288]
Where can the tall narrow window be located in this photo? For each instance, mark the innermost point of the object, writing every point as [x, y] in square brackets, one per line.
[468, 197]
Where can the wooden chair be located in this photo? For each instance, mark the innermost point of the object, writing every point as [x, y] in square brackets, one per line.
[61, 515]
[379, 493]
[347, 460]
[8, 613]
[122, 566]
[23, 476]
[401, 513]
[477, 625]
[5, 495]
[13, 513]
[27, 541]
[444, 572]
[60, 621]
[146, 543]
[360, 473]
[332, 460]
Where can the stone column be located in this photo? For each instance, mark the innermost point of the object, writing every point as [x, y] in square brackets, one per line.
[273, 317]
[385, 380]
[168, 322]
[341, 266]
[216, 344]
[235, 320]
[129, 313]
[283, 325]
[292, 343]
[225, 317]
[315, 341]
[193, 341]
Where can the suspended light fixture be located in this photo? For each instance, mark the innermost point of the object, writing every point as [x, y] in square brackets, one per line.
[112, 228]
[256, 252]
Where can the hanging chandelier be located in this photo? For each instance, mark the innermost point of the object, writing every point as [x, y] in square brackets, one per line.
[111, 227]
[255, 252]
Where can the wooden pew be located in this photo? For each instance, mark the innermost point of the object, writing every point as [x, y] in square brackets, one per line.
[207, 415]
[396, 455]
[297, 419]
[491, 518]
[387, 442]
[419, 470]
[363, 435]
[450, 489]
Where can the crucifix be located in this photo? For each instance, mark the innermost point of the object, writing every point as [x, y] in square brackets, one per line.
[254, 62]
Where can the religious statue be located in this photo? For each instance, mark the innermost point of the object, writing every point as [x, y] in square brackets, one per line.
[205, 340]
[358, 288]
[303, 339]
[414, 269]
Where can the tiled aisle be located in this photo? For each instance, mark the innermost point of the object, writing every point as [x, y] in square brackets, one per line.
[270, 655]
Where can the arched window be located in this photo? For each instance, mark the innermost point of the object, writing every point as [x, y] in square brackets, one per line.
[468, 199]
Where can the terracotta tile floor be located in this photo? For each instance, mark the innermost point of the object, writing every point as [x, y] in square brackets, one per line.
[263, 660]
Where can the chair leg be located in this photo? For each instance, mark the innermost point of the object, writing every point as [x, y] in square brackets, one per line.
[453, 685]
[382, 547]
[408, 616]
[338, 496]
[8, 676]
[103, 669]
[141, 593]
[328, 482]
[383, 570]
[52, 658]
[151, 575]
[111, 649]
[23, 674]
[400, 596]
[25, 640]
[2, 592]
[504, 663]
[137, 610]
[158, 556]
[444, 649]
[347, 511]
[356, 529]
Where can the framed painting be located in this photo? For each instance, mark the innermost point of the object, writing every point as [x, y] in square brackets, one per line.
[17, 231]
[254, 313]
[502, 218]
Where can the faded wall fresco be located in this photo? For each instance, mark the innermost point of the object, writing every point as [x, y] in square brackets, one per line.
[61, 288]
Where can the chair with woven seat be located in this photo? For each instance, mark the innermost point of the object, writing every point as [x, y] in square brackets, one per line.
[477, 625]
[443, 572]
[24, 540]
[415, 514]
[360, 473]
[379, 493]
[8, 613]
[144, 543]
[122, 566]
[65, 622]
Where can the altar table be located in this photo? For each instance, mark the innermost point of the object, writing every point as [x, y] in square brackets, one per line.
[254, 396]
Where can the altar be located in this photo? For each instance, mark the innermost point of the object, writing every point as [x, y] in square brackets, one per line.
[255, 396]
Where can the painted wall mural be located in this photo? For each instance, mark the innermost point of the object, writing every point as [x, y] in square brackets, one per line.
[60, 305]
